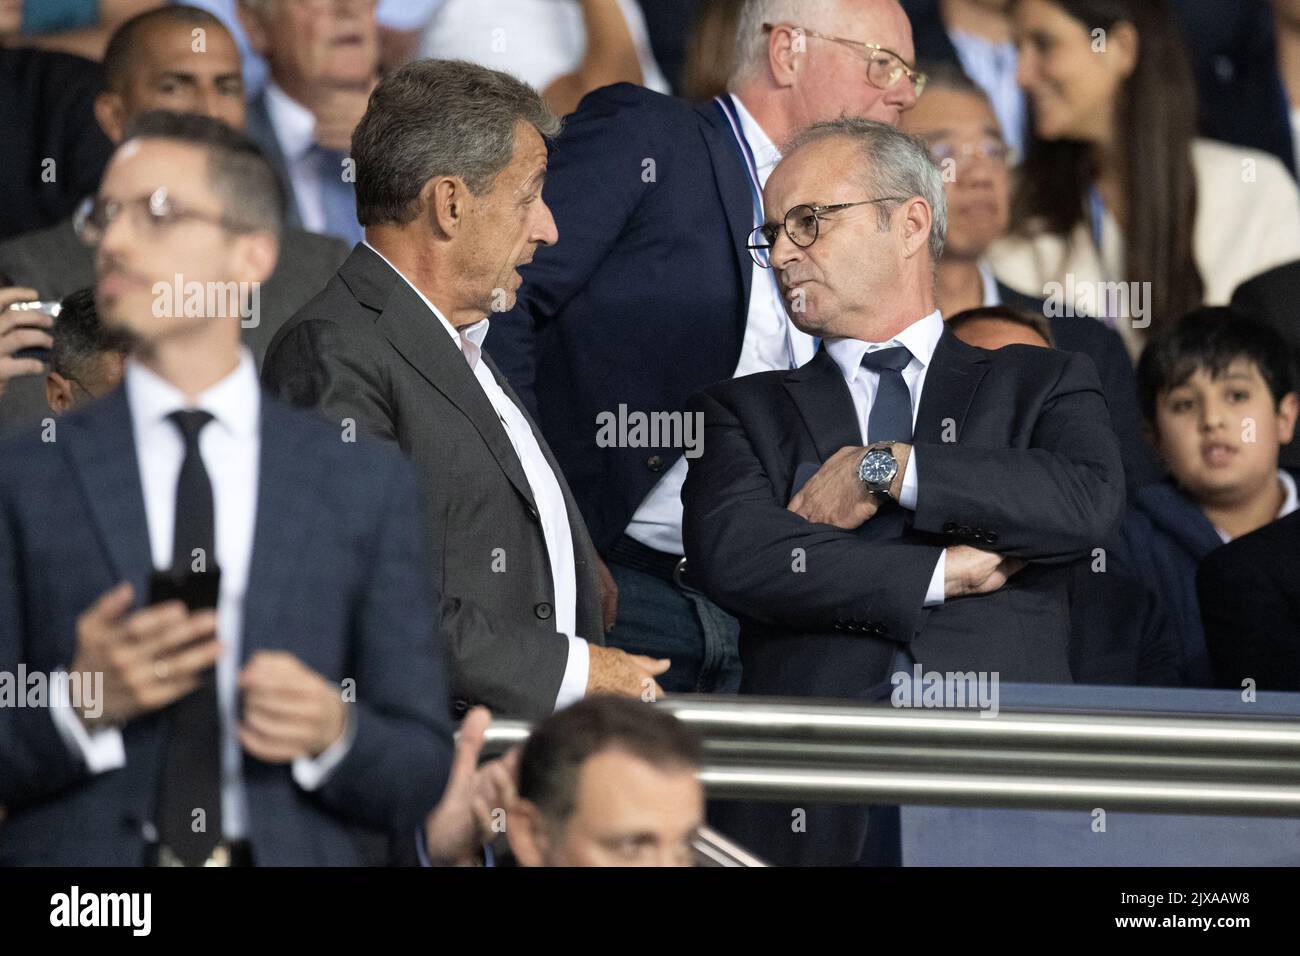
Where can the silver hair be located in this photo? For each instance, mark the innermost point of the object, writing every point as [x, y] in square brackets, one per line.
[894, 163]
[751, 41]
[438, 118]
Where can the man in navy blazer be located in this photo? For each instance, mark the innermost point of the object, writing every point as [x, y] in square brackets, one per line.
[326, 713]
[903, 499]
[651, 295]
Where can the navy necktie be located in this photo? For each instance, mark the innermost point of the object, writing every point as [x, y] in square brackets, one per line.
[891, 413]
[191, 759]
[338, 196]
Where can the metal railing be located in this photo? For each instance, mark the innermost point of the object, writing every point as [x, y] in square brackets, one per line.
[768, 749]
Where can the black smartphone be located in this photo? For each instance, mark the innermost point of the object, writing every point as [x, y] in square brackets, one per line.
[197, 590]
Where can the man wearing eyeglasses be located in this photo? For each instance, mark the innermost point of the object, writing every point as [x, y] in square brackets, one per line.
[903, 500]
[241, 599]
[650, 296]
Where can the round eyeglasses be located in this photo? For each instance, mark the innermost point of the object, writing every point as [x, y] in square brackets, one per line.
[802, 224]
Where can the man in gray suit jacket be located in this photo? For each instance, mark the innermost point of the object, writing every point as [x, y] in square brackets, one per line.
[151, 64]
[450, 161]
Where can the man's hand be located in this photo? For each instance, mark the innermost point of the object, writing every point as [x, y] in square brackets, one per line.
[613, 671]
[970, 571]
[149, 658]
[21, 330]
[608, 596]
[290, 711]
[464, 818]
[837, 496]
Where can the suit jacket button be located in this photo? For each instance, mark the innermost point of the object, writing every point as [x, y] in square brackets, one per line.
[460, 706]
[964, 531]
[991, 537]
[655, 463]
[543, 611]
[949, 527]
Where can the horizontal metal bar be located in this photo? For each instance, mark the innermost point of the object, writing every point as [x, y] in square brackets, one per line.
[990, 790]
[713, 849]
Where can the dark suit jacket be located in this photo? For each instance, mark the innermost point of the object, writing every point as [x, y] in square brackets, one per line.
[47, 113]
[338, 578]
[1034, 473]
[262, 131]
[643, 300]
[368, 349]
[54, 262]
[1079, 333]
[1030, 469]
[1250, 606]
[1271, 297]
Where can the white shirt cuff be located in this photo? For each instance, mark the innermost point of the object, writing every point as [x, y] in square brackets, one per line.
[101, 750]
[934, 593]
[310, 772]
[574, 686]
[907, 493]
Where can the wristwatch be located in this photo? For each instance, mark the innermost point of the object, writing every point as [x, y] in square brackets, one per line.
[878, 467]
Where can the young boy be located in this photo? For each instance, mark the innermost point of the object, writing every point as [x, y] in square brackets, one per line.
[1218, 396]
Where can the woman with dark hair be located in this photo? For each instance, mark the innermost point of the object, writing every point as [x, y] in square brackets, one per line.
[1120, 212]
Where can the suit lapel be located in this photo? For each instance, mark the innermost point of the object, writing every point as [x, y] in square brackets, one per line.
[421, 340]
[731, 179]
[955, 372]
[286, 499]
[101, 447]
[824, 403]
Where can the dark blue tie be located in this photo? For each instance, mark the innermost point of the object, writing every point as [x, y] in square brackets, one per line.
[890, 418]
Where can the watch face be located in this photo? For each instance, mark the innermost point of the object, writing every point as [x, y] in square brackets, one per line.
[878, 467]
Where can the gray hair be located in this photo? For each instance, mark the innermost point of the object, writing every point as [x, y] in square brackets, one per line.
[894, 163]
[751, 41]
[438, 118]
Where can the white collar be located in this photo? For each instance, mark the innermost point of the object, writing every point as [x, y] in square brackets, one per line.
[234, 402]
[294, 124]
[990, 282]
[476, 333]
[766, 154]
[920, 338]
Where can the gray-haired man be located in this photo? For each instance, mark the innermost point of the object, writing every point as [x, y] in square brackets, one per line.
[450, 161]
[903, 499]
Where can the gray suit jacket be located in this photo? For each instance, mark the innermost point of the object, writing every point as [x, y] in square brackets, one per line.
[54, 262]
[368, 350]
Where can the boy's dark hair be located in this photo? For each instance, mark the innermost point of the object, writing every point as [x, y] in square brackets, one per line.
[559, 746]
[238, 171]
[120, 54]
[1213, 338]
[79, 337]
[1003, 313]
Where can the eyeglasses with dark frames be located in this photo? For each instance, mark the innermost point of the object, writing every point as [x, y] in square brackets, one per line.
[802, 224]
[884, 67]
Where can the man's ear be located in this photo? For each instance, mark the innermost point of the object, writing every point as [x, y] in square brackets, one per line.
[786, 48]
[917, 223]
[526, 833]
[110, 114]
[58, 393]
[445, 200]
[258, 253]
[1123, 42]
[1287, 409]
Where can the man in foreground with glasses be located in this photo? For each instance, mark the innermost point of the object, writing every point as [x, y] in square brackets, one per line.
[650, 296]
[241, 599]
[903, 500]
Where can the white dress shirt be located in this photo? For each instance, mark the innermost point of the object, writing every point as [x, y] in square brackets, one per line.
[295, 131]
[920, 338]
[770, 342]
[993, 66]
[552, 511]
[230, 446]
[536, 40]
